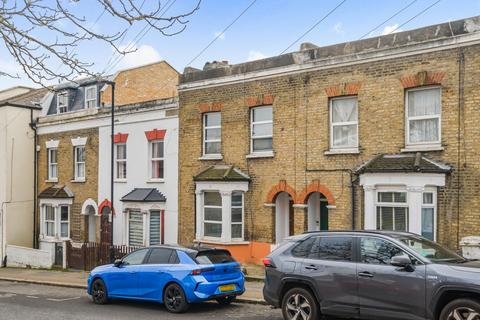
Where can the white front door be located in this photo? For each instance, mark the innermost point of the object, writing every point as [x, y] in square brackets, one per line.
[282, 213]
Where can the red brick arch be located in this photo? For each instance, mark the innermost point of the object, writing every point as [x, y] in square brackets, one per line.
[315, 186]
[281, 186]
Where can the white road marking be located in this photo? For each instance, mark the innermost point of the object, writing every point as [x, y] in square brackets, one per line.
[7, 295]
[32, 297]
[61, 300]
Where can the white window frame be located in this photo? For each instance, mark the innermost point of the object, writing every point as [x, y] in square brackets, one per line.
[57, 222]
[60, 222]
[76, 163]
[148, 234]
[62, 94]
[205, 129]
[243, 215]
[128, 225]
[340, 124]
[252, 124]
[52, 164]
[221, 223]
[93, 99]
[432, 205]
[151, 159]
[433, 144]
[117, 161]
[146, 214]
[393, 205]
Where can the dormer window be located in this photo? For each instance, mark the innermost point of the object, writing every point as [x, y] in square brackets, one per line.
[91, 97]
[62, 102]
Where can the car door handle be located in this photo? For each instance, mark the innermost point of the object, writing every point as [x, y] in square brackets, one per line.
[311, 267]
[365, 274]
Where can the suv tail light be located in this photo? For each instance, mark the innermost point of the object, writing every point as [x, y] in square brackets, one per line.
[200, 271]
[268, 263]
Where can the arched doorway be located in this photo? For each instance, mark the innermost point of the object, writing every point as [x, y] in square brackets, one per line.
[317, 212]
[283, 216]
[91, 224]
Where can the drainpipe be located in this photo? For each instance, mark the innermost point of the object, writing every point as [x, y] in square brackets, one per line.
[352, 187]
[461, 81]
[112, 148]
[33, 126]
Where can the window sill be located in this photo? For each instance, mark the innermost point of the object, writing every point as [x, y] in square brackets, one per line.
[219, 242]
[78, 180]
[155, 181]
[418, 148]
[51, 180]
[211, 157]
[53, 239]
[254, 155]
[120, 180]
[342, 151]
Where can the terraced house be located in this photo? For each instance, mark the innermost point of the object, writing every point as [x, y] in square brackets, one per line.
[74, 161]
[379, 133]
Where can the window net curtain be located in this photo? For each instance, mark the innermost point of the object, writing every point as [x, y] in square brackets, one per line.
[344, 133]
[425, 104]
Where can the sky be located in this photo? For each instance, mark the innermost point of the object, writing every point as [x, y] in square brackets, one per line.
[266, 29]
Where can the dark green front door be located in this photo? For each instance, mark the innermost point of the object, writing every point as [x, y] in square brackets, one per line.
[323, 215]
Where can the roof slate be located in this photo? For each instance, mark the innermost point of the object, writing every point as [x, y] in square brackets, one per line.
[144, 195]
[221, 173]
[56, 192]
[403, 163]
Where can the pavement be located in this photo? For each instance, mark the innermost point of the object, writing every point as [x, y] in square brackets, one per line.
[27, 301]
[78, 280]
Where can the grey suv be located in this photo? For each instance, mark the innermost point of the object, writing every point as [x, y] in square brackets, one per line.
[371, 275]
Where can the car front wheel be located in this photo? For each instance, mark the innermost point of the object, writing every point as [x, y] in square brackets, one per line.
[461, 309]
[299, 304]
[174, 299]
[99, 292]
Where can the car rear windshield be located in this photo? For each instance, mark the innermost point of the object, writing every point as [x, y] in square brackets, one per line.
[214, 257]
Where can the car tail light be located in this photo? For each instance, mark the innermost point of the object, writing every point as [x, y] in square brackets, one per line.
[200, 271]
[268, 263]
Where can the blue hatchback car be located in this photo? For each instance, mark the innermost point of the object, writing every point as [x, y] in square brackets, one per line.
[172, 275]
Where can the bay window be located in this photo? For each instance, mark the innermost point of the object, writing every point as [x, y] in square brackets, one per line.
[135, 228]
[428, 215]
[261, 129]
[212, 134]
[49, 221]
[156, 159]
[155, 228]
[55, 221]
[212, 214]
[144, 227]
[392, 211]
[237, 215]
[423, 113]
[343, 123]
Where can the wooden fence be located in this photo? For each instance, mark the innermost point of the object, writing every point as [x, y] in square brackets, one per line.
[88, 255]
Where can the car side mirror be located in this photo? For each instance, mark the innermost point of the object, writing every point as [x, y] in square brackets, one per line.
[117, 263]
[402, 261]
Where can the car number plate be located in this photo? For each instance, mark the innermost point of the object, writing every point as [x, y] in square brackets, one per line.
[228, 287]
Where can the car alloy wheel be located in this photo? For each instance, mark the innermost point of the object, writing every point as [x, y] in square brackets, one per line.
[298, 307]
[174, 299]
[463, 313]
[99, 292]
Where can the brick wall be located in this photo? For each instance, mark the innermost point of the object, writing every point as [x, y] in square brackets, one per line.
[81, 190]
[301, 137]
[146, 83]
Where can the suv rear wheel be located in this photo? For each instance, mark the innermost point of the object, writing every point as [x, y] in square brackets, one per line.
[299, 304]
[461, 309]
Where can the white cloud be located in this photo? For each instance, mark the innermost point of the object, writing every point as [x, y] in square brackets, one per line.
[338, 28]
[255, 55]
[142, 55]
[220, 35]
[389, 29]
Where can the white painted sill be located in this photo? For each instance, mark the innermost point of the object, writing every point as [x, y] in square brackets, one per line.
[155, 180]
[78, 180]
[228, 243]
[255, 155]
[51, 180]
[211, 157]
[120, 180]
[342, 151]
[420, 148]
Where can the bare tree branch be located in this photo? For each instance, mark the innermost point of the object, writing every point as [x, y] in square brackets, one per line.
[43, 34]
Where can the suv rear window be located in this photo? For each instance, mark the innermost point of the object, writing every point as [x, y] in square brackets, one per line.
[214, 257]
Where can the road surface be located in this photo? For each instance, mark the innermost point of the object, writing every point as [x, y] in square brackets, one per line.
[20, 301]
